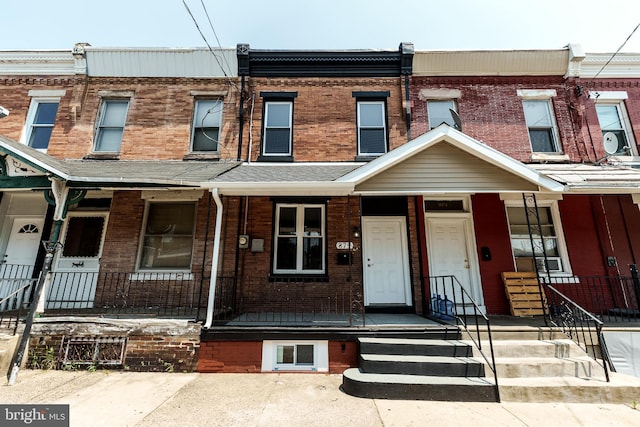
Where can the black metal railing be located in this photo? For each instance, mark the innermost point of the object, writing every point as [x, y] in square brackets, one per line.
[116, 293]
[14, 301]
[288, 301]
[609, 298]
[452, 303]
[578, 324]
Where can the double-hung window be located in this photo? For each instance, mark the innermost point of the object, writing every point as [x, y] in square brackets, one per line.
[371, 112]
[299, 241]
[207, 119]
[41, 117]
[540, 120]
[439, 112]
[536, 235]
[110, 125]
[167, 240]
[541, 124]
[614, 122]
[277, 126]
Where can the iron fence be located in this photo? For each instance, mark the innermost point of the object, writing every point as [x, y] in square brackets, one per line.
[288, 301]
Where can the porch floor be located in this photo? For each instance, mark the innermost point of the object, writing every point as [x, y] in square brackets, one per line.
[327, 320]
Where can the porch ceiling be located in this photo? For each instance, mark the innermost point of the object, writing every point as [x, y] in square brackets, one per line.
[445, 160]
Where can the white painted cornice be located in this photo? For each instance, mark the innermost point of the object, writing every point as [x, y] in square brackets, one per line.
[623, 65]
[53, 62]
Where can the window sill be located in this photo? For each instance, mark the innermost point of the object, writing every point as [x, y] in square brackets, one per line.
[202, 156]
[367, 158]
[283, 159]
[297, 277]
[549, 157]
[102, 156]
[160, 275]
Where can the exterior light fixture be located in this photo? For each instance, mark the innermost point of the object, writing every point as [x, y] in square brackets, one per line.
[3, 112]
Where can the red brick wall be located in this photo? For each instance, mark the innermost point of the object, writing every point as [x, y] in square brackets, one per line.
[158, 123]
[246, 356]
[324, 115]
[492, 112]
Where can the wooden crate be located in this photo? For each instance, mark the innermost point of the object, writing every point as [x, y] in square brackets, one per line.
[523, 293]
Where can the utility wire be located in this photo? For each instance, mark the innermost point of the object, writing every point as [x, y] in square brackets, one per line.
[206, 12]
[616, 52]
[208, 45]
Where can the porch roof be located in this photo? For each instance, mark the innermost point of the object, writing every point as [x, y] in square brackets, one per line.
[115, 173]
[586, 178]
[445, 160]
[286, 179]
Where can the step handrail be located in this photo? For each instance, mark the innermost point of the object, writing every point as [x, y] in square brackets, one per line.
[567, 314]
[19, 293]
[446, 310]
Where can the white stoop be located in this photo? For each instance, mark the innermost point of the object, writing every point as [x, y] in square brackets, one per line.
[554, 370]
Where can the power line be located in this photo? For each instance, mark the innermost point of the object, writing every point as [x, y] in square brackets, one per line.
[616, 52]
[206, 12]
[208, 45]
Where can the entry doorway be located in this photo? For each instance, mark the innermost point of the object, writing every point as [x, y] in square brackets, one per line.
[387, 281]
[452, 252]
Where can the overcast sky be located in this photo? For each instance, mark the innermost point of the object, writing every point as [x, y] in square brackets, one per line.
[598, 25]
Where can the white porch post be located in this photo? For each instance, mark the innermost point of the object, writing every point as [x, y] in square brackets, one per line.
[215, 259]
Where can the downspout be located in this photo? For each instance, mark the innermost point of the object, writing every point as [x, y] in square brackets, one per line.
[241, 117]
[214, 260]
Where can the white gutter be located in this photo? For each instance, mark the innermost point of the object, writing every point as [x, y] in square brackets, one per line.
[215, 260]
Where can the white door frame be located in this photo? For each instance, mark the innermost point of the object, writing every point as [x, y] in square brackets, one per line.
[472, 253]
[365, 220]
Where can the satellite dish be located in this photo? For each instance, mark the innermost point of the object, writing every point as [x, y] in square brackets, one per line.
[456, 120]
[610, 143]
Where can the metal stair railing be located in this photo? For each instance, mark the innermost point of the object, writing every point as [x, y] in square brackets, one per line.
[578, 324]
[463, 309]
[12, 304]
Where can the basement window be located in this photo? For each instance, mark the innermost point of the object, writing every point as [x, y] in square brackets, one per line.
[295, 356]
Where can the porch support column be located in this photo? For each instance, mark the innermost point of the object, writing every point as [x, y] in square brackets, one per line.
[215, 259]
[60, 192]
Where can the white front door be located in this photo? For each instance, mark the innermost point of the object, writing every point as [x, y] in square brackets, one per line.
[20, 255]
[451, 253]
[78, 262]
[385, 261]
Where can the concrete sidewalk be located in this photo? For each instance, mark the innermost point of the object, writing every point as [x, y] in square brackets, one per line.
[114, 399]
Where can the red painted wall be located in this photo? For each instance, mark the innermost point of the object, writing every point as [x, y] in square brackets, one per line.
[246, 356]
[492, 231]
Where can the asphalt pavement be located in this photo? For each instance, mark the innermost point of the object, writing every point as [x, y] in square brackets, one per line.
[115, 398]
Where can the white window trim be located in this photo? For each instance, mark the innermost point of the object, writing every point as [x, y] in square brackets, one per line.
[557, 224]
[103, 102]
[31, 114]
[537, 93]
[290, 127]
[270, 356]
[383, 105]
[195, 127]
[60, 257]
[617, 98]
[299, 238]
[141, 272]
[554, 126]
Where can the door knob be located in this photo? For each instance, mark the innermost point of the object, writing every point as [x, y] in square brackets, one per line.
[466, 263]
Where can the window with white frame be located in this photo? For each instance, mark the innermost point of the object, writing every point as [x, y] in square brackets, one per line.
[40, 121]
[110, 125]
[617, 139]
[439, 111]
[277, 133]
[207, 119]
[372, 128]
[295, 356]
[544, 231]
[543, 133]
[299, 240]
[167, 238]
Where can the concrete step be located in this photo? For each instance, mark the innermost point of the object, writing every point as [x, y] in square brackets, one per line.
[417, 347]
[562, 348]
[523, 367]
[621, 389]
[421, 365]
[417, 387]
